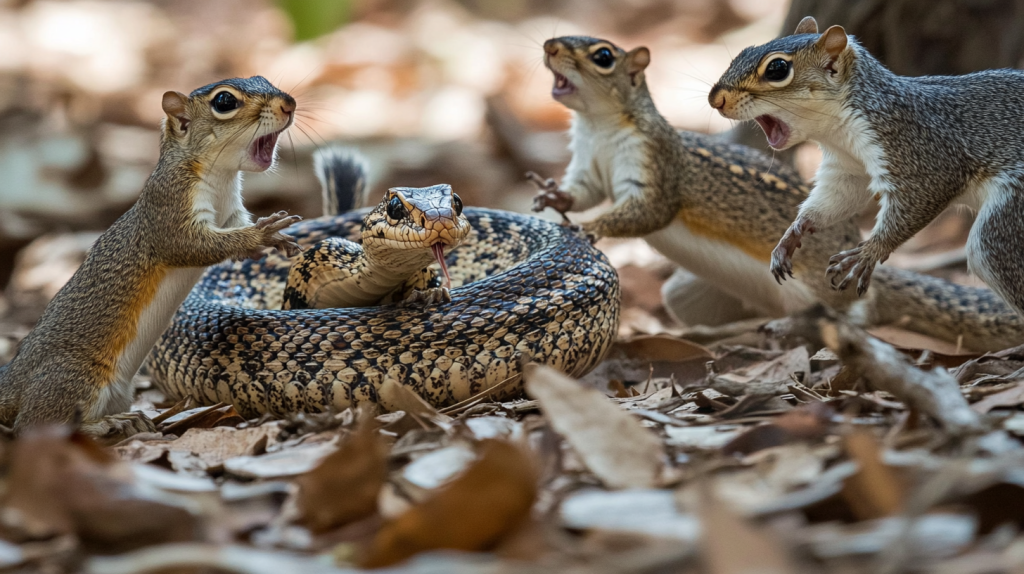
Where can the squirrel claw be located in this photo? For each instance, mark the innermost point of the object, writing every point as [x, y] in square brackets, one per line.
[427, 298]
[549, 195]
[782, 256]
[855, 265]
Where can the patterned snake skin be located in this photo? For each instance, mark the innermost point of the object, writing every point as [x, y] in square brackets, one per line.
[522, 288]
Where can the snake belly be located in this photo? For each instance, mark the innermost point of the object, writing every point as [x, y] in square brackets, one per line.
[523, 288]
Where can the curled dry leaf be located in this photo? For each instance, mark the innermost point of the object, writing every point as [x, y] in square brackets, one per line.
[875, 490]
[806, 422]
[64, 484]
[474, 512]
[612, 443]
[343, 488]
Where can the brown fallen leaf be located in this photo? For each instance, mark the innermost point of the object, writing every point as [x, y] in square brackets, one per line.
[474, 512]
[875, 490]
[1011, 397]
[730, 545]
[806, 422]
[659, 356]
[61, 483]
[343, 488]
[217, 415]
[215, 445]
[611, 442]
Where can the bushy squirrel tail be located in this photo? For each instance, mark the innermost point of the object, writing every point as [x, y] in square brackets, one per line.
[975, 316]
[342, 175]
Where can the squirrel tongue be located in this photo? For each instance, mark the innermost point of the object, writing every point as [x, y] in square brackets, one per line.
[438, 250]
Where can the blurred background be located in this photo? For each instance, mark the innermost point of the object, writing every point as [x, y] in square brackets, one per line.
[429, 90]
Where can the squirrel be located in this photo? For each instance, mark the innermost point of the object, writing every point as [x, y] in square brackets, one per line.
[717, 210]
[77, 363]
[408, 230]
[918, 145]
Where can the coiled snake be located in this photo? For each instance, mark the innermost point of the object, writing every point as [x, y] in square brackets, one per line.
[522, 288]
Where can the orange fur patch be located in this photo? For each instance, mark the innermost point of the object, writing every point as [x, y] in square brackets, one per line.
[702, 227]
[127, 323]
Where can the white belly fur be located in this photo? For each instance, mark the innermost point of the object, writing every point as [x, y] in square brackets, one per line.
[117, 397]
[731, 270]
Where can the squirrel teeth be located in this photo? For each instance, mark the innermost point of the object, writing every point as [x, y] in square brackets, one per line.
[262, 149]
[775, 129]
[562, 86]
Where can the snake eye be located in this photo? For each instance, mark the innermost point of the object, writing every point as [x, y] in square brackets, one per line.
[603, 58]
[225, 102]
[777, 70]
[457, 201]
[396, 210]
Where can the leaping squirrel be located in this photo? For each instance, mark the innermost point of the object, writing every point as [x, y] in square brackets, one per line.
[718, 210]
[917, 144]
[93, 336]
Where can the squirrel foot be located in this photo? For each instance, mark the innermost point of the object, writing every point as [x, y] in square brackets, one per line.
[113, 429]
[549, 195]
[272, 236]
[856, 264]
[428, 297]
[782, 255]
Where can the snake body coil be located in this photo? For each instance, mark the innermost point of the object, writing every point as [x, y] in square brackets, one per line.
[523, 288]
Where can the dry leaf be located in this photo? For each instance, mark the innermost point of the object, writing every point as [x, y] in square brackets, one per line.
[215, 445]
[612, 443]
[659, 356]
[63, 484]
[806, 422]
[732, 546]
[875, 490]
[1012, 397]
[473, 512]
[343, 488]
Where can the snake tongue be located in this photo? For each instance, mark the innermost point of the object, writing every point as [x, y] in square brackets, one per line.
[438, 250]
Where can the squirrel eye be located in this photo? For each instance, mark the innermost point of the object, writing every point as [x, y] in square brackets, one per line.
[776, 70]
[396, 210]
[603, 58]
[225, 102]
[458, 204]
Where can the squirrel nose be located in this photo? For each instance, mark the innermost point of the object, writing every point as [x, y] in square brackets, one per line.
[288, 106]
[717, 98]
[551, 47]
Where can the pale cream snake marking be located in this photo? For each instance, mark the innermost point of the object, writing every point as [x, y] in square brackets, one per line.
[522, 287]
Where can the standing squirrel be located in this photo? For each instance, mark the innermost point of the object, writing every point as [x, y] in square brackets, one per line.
[80, 358]
[717, 210]
[916, 144]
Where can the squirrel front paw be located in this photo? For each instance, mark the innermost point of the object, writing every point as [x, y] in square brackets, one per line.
[113, 429]
[549, 195]
[271, 227]
[427, 298]
[856, 263]
[782, 255]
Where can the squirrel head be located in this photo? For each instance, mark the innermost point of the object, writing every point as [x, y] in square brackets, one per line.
[594, 76]
[411, 225]
[233, 123]
[793, 87]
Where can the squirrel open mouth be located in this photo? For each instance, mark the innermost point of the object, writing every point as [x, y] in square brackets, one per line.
[776, 130]
[262, 150]
[562, 87]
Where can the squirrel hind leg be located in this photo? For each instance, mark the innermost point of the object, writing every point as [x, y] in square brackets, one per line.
[695, 301]
[995, 246]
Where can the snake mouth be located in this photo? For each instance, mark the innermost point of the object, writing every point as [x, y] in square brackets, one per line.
[563, 87]
[775, 129]
[262, 150]
[438, 250]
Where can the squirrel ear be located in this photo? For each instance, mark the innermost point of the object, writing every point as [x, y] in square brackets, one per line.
[833, 41]
[174, 107]
[637, 61]
[807, 26]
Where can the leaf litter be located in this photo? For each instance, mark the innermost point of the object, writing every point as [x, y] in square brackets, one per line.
[822, 451]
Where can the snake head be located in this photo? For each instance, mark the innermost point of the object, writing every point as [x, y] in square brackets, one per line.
[413, 225]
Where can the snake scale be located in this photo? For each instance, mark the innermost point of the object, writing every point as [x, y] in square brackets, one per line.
[523, 288]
